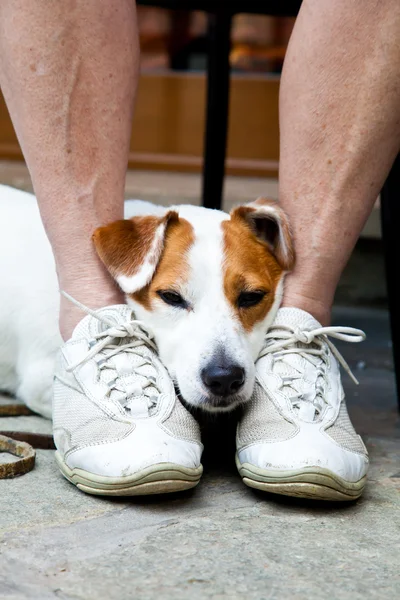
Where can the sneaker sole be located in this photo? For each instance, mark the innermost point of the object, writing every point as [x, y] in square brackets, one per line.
[162, 478]
[311, 482]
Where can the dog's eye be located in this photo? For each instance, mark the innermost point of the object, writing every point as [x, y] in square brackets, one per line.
[248, 299]
[172, 298]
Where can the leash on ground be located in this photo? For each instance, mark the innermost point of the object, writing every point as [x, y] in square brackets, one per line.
[14, 410]
[21, 444]
[25, 453]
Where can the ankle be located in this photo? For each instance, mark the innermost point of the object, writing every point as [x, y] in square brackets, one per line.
[93, 296]
[317, 308]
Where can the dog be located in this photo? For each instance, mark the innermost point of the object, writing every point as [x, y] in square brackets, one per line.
[207, 283]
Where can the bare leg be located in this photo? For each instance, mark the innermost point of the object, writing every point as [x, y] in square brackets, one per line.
[69, 71]
[340, 131]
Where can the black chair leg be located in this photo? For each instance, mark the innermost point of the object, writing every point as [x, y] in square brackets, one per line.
[218, 75]
[390, 217]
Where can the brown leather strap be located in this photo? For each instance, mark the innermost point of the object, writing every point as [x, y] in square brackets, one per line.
[43, 441]
[23, 451]
[13, 409]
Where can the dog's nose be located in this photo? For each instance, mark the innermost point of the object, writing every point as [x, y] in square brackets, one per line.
[223, 381]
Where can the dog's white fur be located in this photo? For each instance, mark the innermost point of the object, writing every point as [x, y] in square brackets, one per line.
[188, 340]
[29, 300]
[29, 335]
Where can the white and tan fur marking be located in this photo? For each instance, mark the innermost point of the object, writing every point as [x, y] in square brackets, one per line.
[206, 256]
[208, 273]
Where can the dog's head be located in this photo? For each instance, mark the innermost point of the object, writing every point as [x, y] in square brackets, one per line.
[209, 285]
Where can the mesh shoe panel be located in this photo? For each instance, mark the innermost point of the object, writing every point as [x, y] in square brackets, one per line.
[343, 433]
[77, 422]
[262, 422]
[182, 424]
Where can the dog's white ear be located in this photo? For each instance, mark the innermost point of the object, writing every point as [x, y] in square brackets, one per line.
[269, 223]
[131, 249]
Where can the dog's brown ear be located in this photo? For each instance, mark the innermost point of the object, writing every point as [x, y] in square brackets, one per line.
[131, 249]
[269, 223]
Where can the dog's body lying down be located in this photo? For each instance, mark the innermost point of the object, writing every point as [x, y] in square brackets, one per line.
[207, 283]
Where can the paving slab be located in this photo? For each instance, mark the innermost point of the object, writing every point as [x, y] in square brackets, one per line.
[221, 540]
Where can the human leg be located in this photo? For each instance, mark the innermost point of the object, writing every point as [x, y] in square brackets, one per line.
[340, 131]
[68, 71]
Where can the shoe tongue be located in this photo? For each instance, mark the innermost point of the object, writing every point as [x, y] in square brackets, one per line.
[295, 318]
[112, 315]
[127, 368]
[294, 364]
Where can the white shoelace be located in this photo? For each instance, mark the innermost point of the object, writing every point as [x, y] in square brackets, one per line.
[104, 345]
[284, 341]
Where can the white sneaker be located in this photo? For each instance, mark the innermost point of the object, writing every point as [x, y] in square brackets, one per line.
[118, 426]
[295, 436]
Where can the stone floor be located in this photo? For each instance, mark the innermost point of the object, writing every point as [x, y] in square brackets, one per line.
[221, 540]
